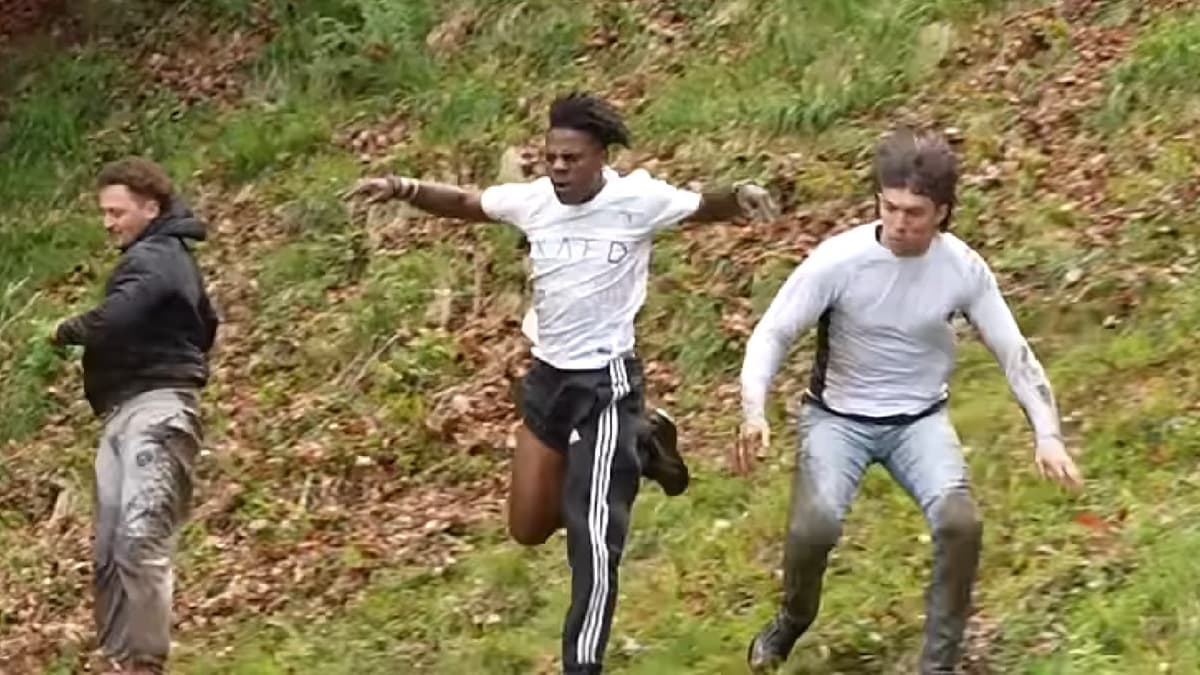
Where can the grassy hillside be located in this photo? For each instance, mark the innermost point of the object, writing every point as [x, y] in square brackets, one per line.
[348, 515]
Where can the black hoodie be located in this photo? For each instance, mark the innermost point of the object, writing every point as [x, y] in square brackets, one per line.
[156, 325]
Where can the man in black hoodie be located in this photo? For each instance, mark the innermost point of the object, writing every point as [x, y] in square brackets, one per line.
[145, 361]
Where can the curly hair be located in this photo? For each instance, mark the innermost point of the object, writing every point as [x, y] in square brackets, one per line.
[143, 177]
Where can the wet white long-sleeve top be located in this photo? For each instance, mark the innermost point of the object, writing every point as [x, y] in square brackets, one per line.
[885, 343]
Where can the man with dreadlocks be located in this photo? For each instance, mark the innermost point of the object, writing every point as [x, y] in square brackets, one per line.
[883, 295]
[578, 461]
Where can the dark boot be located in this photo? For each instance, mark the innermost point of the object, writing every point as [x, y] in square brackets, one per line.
[813, 530]
[770, 648]
[957, 535]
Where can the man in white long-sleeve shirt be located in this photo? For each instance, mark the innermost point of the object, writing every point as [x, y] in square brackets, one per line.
[882, 296]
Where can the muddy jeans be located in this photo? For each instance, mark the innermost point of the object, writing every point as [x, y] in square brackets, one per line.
[142, 499]
[926, 459]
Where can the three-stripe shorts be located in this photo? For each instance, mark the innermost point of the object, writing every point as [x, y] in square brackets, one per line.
[592, 416]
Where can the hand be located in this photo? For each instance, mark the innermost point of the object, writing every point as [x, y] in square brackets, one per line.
[755, 202]
[52, 335]
[1053, 462]
[380, 189]
[754, 437]
[47, 329]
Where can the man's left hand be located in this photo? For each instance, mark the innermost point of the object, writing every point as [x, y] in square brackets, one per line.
[51, 331]
[756, 202]
[1055, 463]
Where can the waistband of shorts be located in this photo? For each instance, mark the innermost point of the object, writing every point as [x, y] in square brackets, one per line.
[630, 357]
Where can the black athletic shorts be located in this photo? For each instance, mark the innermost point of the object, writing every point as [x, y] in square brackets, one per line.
[561, 407]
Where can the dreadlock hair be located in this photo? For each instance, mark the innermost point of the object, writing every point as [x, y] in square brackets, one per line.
[921, 162]
[591, 115]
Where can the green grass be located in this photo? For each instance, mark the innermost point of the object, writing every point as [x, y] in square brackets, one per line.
[34, 260]
[804, 66]
[339, 314]
[276, 136]
[1159, 78]
[1150, 622]
[49, 121]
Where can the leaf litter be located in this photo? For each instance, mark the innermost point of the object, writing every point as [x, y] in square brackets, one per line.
[326, 527]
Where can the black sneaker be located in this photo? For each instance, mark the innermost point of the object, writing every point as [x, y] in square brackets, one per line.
[662, 462]
[770, 648]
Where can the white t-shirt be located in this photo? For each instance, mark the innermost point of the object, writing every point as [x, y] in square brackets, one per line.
[589, 260]
[886, 346]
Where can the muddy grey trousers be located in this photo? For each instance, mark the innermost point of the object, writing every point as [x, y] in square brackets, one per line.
[926, 459]
[142, 499]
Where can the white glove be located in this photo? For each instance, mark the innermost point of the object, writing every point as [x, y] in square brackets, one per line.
[755, 201]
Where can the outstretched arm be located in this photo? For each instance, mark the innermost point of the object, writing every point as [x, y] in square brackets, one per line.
[716, 207]
[990, 315]
[447, 201]
[743, 198]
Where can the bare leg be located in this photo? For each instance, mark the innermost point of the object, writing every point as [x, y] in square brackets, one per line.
[535, 496]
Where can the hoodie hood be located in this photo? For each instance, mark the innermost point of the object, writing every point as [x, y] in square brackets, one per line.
[178, 221]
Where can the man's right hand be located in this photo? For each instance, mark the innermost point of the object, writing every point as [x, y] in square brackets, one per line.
[381, 189]
[754, 437]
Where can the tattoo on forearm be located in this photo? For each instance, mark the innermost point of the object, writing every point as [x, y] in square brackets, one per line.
[1043, 390]
[1034, 374]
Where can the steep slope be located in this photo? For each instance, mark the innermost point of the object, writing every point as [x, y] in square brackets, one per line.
[348, 514]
